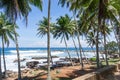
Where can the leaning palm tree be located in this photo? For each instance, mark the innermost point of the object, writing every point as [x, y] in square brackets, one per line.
[73, 36]
[6, 32]
[105, 30]
[62, 29]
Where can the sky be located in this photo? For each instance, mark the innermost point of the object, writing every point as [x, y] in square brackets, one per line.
[28, 37]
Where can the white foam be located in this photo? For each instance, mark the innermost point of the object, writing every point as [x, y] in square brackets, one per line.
[25, 51]
[27, 54]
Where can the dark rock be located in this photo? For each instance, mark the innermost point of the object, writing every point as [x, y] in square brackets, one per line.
[16, 60]
[32, 64]
[22, 67]
[37, 58]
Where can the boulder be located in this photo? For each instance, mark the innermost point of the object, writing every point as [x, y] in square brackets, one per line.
[32, 64]
[16, 60]
[37, 58]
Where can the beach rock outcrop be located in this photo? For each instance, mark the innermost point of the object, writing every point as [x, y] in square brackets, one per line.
[16, 60]
[38, 58]
[32, 64]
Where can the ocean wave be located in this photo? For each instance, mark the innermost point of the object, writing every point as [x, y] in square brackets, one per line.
[24, 51]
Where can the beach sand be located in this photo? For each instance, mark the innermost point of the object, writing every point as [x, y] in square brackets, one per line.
[62, 73]
[67, 72]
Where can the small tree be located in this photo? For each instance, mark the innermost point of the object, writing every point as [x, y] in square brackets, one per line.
[112, 47]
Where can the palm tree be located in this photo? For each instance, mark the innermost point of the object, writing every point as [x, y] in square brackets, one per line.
[105, 30]
[14, 9]
[63, 28]
[6, 33]
[103, 9]
[72, 35]
[43, 29]
[43, 25]
[78, 33]
[48, 40]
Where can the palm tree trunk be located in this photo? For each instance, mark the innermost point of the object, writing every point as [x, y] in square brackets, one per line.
[80, 48]
[0, 66]
[4, 61]
[93, 50]
[51, 59]
[119, 41]
[76, 50]
[68, 51]
[105, 50]
[18, 54]
[84, 55]
[97, 52]
[48, 42]
[97, 36]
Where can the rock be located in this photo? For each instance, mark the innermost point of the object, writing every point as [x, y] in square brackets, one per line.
[16, 60]
[37, 57]
[32, 64]
[22, 67]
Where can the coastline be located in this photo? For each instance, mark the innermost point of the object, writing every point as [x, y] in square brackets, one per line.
[28, 53]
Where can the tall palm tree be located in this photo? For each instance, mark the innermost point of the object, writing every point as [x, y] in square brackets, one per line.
[105, 30]
[101, 8]
[43, 29]
[72, 35]
[43, 25]
[15, 9]
[63, 29]
[6, 32]
[48, 40]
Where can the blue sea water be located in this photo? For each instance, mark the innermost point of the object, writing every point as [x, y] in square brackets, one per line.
[8, 51]
[28, 53]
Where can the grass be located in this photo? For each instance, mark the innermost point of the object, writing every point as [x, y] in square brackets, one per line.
[111, 61]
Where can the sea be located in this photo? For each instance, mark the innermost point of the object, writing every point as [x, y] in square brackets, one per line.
[28, 53]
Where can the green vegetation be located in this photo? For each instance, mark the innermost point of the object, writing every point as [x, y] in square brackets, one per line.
[112, 47]
[93, 59]
[92, 19]
[111, 61]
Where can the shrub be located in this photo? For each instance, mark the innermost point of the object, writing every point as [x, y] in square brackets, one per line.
[93, 59]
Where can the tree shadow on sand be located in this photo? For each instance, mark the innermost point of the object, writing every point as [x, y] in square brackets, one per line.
[76, 73]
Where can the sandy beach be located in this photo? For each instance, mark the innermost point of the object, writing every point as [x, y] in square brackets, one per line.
[66, 72]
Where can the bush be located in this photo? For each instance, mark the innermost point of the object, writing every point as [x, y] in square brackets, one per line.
[93, 59]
